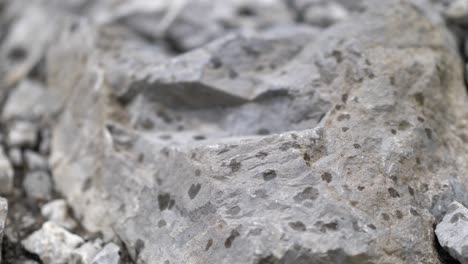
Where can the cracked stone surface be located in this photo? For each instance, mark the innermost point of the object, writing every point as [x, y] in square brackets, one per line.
[452, 232]
[292, 147]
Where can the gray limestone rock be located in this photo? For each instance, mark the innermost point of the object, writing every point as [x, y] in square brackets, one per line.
[108, 255]
[22, 134]
[57, 211]
[452, 232]
[54, 245]
[38, 185]
[35, 161]
[3, 218]
[338, 147]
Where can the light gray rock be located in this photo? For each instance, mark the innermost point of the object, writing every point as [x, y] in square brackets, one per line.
[452, 232]
[3, 218]
[88, 251]
[16, 156]
[6, 174]
[108, 255]
[22, 134]
[57, 211]
[29, 100]
[38, 185]
[364, 153]
[457, 11]
[54, 245]
[35, 161]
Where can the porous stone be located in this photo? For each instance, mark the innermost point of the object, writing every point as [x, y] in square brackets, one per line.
[342, 146]
[110, 254]
[38, 185]
[54, 244]
[57, 211]
[6, 174]
[452, 232]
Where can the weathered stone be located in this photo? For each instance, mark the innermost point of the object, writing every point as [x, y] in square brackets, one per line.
[15, 156]
[35, 161]
[57, 211]
[38, 185]
[108, 255]
[6, 174]
[3, 217]
[452, 232]
[364, 153]
[22, 134]
[53, 244]
[457, 11]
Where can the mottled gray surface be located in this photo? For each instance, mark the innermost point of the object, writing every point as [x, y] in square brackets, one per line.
[345, 149]
[452, 232]
[3, 217]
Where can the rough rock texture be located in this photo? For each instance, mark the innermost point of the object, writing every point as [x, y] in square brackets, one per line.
[6, 174]
[452, 232]
[54, 245]
[108, 255]
[3, 217]
[367, 143]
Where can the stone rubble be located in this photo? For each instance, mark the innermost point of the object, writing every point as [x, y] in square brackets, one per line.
[57, 211]
[452, 232]
[108, 255]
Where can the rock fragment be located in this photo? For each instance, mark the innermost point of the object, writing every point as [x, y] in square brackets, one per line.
[22, 134]
[57, 211]
[38, 185]
[3, 218]
[110, 254]
[6, 174]
[54, 245]
[35, 161]
[457, 11]
[452, 232]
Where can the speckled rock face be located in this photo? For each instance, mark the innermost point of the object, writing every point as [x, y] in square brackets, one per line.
[340, 147]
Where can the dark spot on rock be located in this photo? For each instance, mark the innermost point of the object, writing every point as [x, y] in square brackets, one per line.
[17, 54]
[332, 226]
[419, 97]
[263, 131]
[393, 131]
[457, 217]
[356, 146]
[338, 107]
[87, 184]
[353, 203]
[371, 226]
[327, 177]
[261, 155]
[424, 187]
[306, 157]
[420, 119]
[269, 175]
[234, 165]
[246, 11]
[230, 239]
[385, 217]
[414, 212]
[141, 158]
[209, 244]
[164, 200]
[452, 208]
[393, 193]
[259, 68]
[288, 145]
[234, 210]
[343, 117]
[161, 223]
[216, 63]
[403, 125]
[199, 137]
[233, 74]
[392, 80]
[309, 193]
[344, 129]
[139, 246]
[399, 214]
[360, 188]
[294, 136]
[298, 226]
[411, 190]
[165, 137]
[197, 172]
[337, 55]
[194, 189]
[73, 27]
[418, 161]
[394, 178]
[268, 260]
[344, 98]
[428, 133]
[165, 152]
